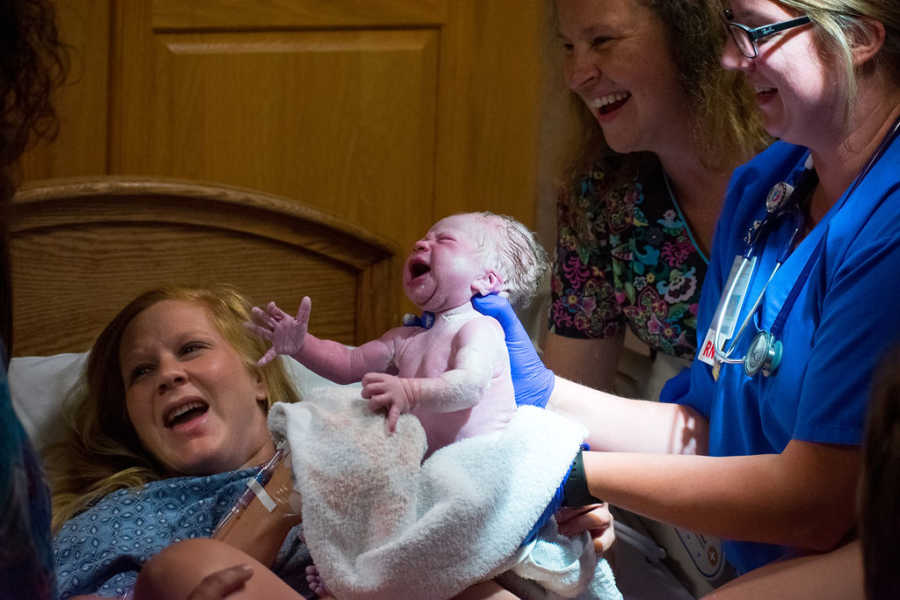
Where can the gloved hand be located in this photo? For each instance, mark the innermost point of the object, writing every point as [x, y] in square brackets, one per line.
[286, 333]
[533, 382]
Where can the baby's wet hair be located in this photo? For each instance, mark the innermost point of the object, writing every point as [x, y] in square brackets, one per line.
[516, 255]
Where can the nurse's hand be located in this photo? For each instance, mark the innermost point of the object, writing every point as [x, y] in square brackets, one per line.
[594, 518]
[533, 382]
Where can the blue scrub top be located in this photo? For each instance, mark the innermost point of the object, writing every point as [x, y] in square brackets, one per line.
[844, 318]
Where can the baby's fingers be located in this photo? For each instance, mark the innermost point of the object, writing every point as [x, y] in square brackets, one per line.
[263, 332]
[304, 309]
[267, 357]
[261, 317]
[377, 401]
[393, 416]
[373, 384]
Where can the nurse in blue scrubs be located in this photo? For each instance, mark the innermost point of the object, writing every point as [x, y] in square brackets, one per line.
[759, 441]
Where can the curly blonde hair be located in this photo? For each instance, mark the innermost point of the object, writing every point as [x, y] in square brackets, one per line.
[100, 451]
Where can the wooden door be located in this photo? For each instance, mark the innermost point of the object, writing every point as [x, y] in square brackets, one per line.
[385, 113]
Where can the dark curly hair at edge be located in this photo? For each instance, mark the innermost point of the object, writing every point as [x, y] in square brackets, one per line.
[33, 62]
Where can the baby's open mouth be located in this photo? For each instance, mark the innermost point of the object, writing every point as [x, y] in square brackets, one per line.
[417, 269]
[185, 412]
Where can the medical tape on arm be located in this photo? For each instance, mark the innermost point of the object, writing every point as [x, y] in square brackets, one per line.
[262, 494]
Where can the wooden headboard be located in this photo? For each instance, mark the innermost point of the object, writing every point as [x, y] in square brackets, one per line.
[82, 248]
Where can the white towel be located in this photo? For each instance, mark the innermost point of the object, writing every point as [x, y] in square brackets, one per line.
[381, 524]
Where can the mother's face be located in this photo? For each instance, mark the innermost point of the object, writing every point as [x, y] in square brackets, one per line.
[618, 60]
[192, 401]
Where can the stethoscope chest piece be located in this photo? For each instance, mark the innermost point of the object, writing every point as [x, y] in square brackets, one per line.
[763, 355]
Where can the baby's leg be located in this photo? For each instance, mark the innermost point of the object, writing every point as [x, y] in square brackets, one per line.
[178, 570]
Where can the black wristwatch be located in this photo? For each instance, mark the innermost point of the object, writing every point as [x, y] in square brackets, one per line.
[575, 490]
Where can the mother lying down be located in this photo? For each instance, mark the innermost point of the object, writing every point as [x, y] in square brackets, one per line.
[166, 428]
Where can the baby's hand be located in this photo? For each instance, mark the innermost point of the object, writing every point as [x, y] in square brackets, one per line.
[286, 333]
[390, 392]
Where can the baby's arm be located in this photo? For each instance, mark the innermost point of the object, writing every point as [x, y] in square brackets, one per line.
[328, 358]
[470, 371]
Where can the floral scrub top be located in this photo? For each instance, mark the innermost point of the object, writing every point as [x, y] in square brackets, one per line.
[624, 255]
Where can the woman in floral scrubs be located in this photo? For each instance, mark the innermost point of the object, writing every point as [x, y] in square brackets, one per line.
[635, 220]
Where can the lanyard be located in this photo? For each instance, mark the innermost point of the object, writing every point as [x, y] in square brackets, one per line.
[766, 349]
[760, 234]
[778, 325]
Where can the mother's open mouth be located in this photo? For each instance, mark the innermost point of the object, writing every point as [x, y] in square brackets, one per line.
[185, 412]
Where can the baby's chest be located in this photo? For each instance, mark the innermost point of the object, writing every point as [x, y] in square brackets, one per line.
[427, 354]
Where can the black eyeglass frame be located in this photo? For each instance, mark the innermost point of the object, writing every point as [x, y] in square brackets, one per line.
[754, 34]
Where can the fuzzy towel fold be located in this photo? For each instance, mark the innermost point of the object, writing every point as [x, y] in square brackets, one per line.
[381, 524]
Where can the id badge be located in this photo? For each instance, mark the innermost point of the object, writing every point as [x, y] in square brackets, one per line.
[729, 308]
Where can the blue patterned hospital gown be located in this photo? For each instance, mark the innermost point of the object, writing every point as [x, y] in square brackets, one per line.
[101, 550]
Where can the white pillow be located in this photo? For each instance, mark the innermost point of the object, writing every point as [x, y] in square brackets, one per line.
[40, 383]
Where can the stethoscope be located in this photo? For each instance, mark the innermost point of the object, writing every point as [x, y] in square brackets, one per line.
[783, 200]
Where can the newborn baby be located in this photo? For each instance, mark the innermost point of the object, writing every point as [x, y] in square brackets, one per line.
[450, 369]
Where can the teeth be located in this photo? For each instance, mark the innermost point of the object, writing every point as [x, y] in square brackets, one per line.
[177, 412]
[609, 99]
[763, 90]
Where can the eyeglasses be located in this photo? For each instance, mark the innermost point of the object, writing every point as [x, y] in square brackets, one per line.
[746, 38]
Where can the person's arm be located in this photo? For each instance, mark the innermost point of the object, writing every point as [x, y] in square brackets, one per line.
[613, 422]
[802, 497]
[222, 584]
[332, 360]
[471, 369]
[589, 361]
[837, 575]
[622, 424]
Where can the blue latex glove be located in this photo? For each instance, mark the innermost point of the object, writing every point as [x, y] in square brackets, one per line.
[533, 382]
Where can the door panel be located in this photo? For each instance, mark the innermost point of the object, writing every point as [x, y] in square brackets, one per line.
[310, 115]
[385, 113]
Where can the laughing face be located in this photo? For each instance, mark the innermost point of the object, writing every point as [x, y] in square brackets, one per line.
[798, 98]
[617, 60]
[191, 399]
[446, 266]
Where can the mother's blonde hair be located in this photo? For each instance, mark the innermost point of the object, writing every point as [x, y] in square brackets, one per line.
[100, 451]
